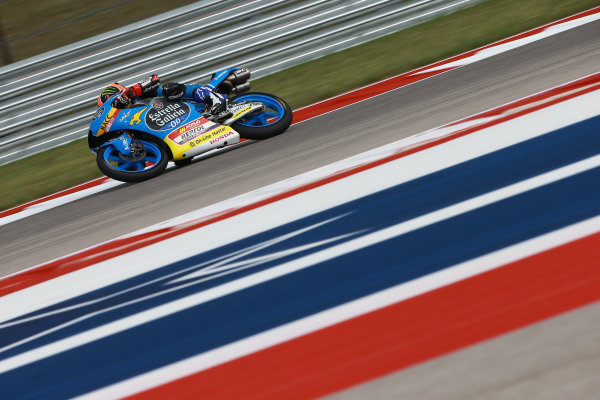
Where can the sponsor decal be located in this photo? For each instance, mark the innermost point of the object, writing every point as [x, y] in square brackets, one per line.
[217, 132]
[136, 117]
[201, 140]
[124, 116]
[187, 136]
[221, 137]
[108, 121]
[104, 124]
[125, 142]
[157, 105]
[112, 120]
[168, 117]
[98, 113]
[208, 136]
[242, 111]
[220, 75]
[191, 130]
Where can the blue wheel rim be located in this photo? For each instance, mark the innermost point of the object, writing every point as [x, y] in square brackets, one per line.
[273, 112]
[116, 161]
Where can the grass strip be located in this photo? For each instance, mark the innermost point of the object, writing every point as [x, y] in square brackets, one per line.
[32, 27]
[486, 22]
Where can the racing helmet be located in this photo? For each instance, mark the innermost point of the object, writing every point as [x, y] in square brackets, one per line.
[109, 92]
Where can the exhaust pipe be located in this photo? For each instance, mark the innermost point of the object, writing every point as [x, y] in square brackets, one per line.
[239, 76]
[244, 87]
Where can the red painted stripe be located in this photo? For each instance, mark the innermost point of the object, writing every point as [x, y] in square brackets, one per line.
[513, 38]
[406, 333]
[540, 29]
[415, 75]
[588, 84]
[360, 94]
[118, 247]
[74, 189]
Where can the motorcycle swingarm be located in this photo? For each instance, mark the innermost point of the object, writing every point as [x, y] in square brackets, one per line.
[242, 109]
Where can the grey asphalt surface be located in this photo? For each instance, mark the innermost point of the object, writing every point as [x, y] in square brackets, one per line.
[557, 359]
[329, 138]
[308, 145]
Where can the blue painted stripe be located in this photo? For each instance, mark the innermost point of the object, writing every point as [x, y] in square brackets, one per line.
[345, 278]
[400, 203]
[305, 292]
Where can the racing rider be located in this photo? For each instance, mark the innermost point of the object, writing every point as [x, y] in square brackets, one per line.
[150, 87]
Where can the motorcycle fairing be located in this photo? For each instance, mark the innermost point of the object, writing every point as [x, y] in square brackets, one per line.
[207, 139]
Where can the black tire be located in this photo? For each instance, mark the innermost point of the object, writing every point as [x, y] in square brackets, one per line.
[263, 132]
[140, 176]
[183, 163]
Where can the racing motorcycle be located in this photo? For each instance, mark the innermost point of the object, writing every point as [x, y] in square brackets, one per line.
[135, 144]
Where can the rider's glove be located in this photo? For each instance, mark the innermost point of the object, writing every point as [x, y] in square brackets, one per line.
[124, 99]
[147, 88]
[150, 86]
[215, 102]
[173, 91]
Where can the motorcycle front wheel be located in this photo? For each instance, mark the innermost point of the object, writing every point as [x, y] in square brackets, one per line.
[273, 120]
[148, 161]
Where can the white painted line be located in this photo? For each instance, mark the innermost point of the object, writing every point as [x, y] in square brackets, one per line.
[59, 201]
[299, 206]
[286, 268]
[344, 312]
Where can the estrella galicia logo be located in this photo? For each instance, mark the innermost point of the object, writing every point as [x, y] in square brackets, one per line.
[98, 113]
[166, 115]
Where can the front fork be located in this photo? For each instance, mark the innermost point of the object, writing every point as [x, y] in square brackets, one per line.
[122, 144]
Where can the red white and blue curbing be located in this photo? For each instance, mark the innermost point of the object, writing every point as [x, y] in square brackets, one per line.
[335, 285]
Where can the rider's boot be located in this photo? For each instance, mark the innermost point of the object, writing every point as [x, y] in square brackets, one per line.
[216, 102]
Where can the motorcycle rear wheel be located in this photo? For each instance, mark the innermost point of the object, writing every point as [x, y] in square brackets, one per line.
[274, 120]
[150, 164]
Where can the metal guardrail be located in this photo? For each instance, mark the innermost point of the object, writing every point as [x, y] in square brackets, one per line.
[49, 99]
